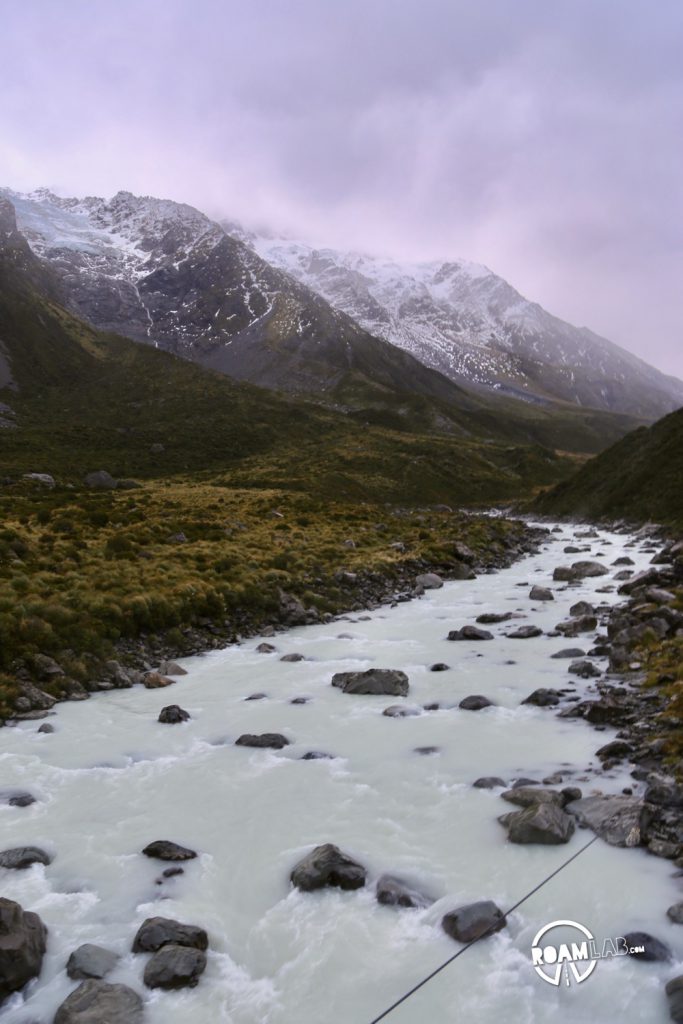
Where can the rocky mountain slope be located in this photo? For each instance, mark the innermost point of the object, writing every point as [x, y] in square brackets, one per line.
[164, 274]
[640, 477]
[463, 320]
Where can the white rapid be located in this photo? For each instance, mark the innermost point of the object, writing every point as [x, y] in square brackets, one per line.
[111, 779]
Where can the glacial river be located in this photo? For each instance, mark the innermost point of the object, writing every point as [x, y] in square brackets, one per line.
[111, 779]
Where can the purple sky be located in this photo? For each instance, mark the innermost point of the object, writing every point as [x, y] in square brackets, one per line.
[544, 139]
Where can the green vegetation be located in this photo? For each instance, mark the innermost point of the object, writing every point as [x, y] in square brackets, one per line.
[639, 478]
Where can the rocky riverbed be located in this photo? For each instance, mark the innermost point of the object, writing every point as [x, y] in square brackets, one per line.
[355, 799]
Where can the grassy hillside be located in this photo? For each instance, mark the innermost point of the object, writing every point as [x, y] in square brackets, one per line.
[640, 477]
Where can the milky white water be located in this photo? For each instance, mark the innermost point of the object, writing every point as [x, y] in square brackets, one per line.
[111, 779]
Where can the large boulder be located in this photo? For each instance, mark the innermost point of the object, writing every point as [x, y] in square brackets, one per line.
[474, 921]
[100, 480]
[581, 608]
[156, 932]
[175, 967]
[164, 849]
[393, 892]
[475, 702]
[582, 624]
[21, 857]
[543, 698]
[544, 823]
[172, 714]
[266, 740]
[654, 950]
[382, 681]
[569, 652]
[492, 618]
[585, 569]
[429, 581]
[328, 866]
[541, 594]
[527, 796]
[469, 633]
[23, 939]
[524, 633]
[583, 668]
[98, 1002]
[90, 961]
[674, 994]
[489, 782]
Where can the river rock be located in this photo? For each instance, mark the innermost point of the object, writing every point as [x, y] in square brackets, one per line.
[382, 681]
[292, 657]
[429, 581]
[175, 967]
[569, 652]
[526, 796]
[90, 961]
[469, 633]
[656, 951]
[581, 608]
[172, 714]
[401, 711]
[23, 940]
[269, 740]
[21, 857]
[543, 698]
[155, 681]
[164, 849]
[616, 819]
[489, 782]
[585, 569]
[541, 594]
[675, 913]
[623, 560]
[583, 668]
[394, 892]
[616, 750]
[544, 823]
[564, 574]
[475, 702]
[266, 648]
[327, 866]
[156, 932]
[98, 1002]
[439, 666]
[524, 633]
[474, 921]
[16, 797]
[491, 618]
[674, 994]
[172, 668]
[46, 727]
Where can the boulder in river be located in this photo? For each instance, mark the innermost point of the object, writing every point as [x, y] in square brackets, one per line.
[23, 940]
[175, 967]
[475, 702]
[266, 740]
[429, 581]
[584, 668]
[172, 668]
[675, 913]
[564, 574]
[327, 866]
[16, 797]
[469, 633]
[585, 569]
[21, 857]
[492, 618]
[474, 921]
[581, 608]
[541, 594]
[543, 698]
[439, 666]
[266, 648]
[164, 849]
[526, 796]
[394, 892]
[382, 681]
[489, 782]
[173, 714]
[616, 819]
[293, 657]
[98, 1002]
[401, 711]
[569, 652]
[655, 950]
[524, 633]
[156, 681]
[544, 823]
[674, 994]
[581, 624]
[156, 932]
[90, 961]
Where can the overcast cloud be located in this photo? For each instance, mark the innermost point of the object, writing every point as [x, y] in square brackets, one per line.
[541, 137]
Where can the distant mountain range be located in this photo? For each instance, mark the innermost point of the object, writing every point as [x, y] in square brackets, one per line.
[463, 320]
[314, 323]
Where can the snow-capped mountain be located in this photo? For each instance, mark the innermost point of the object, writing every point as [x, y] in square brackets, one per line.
[463, 320]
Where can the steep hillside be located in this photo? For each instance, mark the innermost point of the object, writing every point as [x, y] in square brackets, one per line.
[640, 477]
[463, 320]
[164, 274]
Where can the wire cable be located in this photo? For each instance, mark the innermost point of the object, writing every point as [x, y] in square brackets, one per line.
[488, 931]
